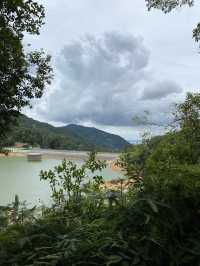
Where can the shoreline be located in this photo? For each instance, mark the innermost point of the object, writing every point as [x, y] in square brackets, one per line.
[12, 154]
[110, 158]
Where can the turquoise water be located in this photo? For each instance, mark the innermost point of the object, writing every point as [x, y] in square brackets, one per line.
[18, 176]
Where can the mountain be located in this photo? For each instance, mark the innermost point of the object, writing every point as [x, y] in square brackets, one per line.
[71, 137]
[96, 137]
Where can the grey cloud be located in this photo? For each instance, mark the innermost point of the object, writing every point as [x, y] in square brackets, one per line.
[108, 59]
[172, 55]
[101, 82]
[161, 90]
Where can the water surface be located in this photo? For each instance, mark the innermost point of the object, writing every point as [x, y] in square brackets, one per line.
[18, 176]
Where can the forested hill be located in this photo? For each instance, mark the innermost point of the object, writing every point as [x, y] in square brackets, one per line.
[73, 137]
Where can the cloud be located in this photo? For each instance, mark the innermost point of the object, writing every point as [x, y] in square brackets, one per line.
[105, 81]
[161, 90]
[173, 56]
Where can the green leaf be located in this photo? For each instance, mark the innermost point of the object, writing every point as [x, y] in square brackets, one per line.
[152, 205]
[113, 259]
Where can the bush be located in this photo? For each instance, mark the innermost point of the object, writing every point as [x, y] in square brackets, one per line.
[157, 224]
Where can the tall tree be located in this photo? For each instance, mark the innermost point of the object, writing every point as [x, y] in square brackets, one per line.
[23, 75]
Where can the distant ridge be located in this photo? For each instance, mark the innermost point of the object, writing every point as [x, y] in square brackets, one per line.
[95, 136]
[71, 137]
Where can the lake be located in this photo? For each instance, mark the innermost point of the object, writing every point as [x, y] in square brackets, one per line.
[18, 176]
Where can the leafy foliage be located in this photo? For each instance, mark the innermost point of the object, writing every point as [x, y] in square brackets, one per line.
[166, 5]
[23, 75]
[157, 224]
[69, 183]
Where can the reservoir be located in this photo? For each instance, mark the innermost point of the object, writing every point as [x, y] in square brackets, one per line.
[18, 176]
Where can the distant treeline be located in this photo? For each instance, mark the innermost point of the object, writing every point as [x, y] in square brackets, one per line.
[72, 137]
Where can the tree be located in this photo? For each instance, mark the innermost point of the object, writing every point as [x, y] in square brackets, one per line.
[173, 158]
[188, 118]
[168, 5]
[23, 75]
[70, 183]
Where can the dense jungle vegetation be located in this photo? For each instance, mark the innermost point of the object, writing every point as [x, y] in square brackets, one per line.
[153, 222]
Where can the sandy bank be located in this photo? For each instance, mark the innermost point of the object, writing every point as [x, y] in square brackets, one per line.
[110, 158]
[13, 154]
[114, 166]
[117, 184]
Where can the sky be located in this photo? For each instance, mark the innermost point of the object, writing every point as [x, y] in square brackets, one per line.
[113, 61]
